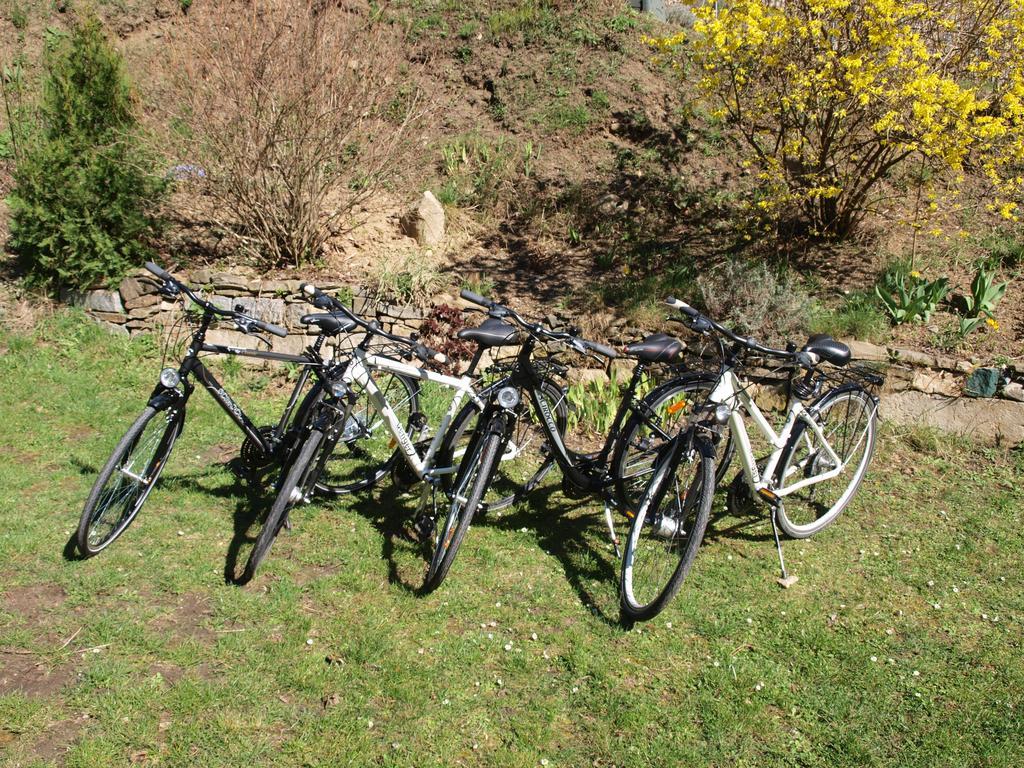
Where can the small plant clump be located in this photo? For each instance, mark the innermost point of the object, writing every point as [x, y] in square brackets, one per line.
[907, 296]
[84, 200]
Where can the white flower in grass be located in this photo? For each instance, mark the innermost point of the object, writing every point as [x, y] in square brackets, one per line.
[759, 686]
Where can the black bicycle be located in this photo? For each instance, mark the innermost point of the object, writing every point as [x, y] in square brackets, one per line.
[618, 472]
[129, 476]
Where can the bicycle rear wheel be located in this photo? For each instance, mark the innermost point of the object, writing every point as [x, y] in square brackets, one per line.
[127, 478]
[297, 485]
[669, 408]
[848, 420]
[668, 528]
[469, 488]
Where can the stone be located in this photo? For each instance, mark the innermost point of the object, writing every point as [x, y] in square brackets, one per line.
[138, 302]
[405, 312]
[913, 357]
[989, 420]
[110, 317]
[140, 313]
[933, 382]
[115, 328]
[1014, 391]
[201, 276]
[425, 221]
[863, 350]
[133, 288]
[226, 281]
[267, 310]
[102, 301]
[983, 382]
[584, 376]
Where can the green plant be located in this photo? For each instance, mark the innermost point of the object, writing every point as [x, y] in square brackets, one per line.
[480, 172]
[980, 305]
[82, 207]
[907, 297]
[185, 5]
[860, 315]
[478, 283]
[19, 16]
[593, 404]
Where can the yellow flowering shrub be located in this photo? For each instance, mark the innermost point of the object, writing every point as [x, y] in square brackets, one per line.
[833, 95]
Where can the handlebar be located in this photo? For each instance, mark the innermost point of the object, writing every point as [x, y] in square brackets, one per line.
[702, 324]
[243, 321]
[536, 329]
[325, 301]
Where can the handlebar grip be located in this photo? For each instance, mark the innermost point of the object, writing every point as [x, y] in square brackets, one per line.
[318, 298]
[277, 330]
[428, 355]
[161, 273]
[476, 298]
[601, 349]
[682, 306]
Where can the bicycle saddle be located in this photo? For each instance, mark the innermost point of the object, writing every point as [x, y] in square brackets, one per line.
[329, 323]
[656, 348]
[828, 349]
[491, 333]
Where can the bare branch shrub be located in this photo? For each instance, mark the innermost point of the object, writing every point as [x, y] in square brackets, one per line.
[298, 110]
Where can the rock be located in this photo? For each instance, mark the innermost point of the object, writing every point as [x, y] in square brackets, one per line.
[913, 357]
[226, 281]
[110, 317]
[150, 300]
[140, 313]
[983, 382]
[132, 288]
[267, 310]
[1014, 391]
[115, 328]
[405, 312]
[863, 350]
[201, 277]
[425, 221]
[584, 376]
[936, 383]
[989, 420]
[102, 301]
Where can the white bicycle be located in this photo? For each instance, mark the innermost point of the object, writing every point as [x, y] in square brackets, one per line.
[369, 419]
[817, 461]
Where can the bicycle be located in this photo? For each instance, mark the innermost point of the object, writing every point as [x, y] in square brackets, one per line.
[337, 434]
[617, 471]
[130, 474]
[816, 444]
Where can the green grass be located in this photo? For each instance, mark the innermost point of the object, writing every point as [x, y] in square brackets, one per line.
[144, 654]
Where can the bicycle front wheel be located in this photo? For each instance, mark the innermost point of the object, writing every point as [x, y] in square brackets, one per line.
[667, 529]
[297, 485]
[526, 458]
[665, 412]
[365, 452]
[848, 419]
[470, 486]
[127, 478]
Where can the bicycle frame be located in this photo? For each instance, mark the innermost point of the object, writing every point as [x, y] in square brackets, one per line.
[730, 392]
[360, 371]
[192, 365]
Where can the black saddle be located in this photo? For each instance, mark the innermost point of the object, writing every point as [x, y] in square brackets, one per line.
[329, 323]
[828, 349]
[656, 348]
[491, 333]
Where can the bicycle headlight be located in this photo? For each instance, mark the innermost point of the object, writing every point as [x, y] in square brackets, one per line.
[508, 397]
[338, 389]
[722, 414]
[169, 378]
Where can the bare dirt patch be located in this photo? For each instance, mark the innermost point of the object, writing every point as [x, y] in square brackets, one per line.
[34, 603]
[26, 673]
[187, 620]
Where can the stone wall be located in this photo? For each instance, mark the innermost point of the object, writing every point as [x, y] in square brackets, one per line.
[920, 388]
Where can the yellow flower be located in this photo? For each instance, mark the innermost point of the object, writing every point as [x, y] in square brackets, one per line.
[915, 274]
[991, 323]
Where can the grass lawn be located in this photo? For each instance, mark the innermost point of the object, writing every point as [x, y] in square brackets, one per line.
[901, 644]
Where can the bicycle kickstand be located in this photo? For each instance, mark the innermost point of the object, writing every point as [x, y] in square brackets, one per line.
[785, 581]
[611, 528]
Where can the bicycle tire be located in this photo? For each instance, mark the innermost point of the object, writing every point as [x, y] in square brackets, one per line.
[637, 448]
[668, 527]
[365, 452]
[450, 532]
[801, 458]
[524, 449]
[139, 449]
[296, 479]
